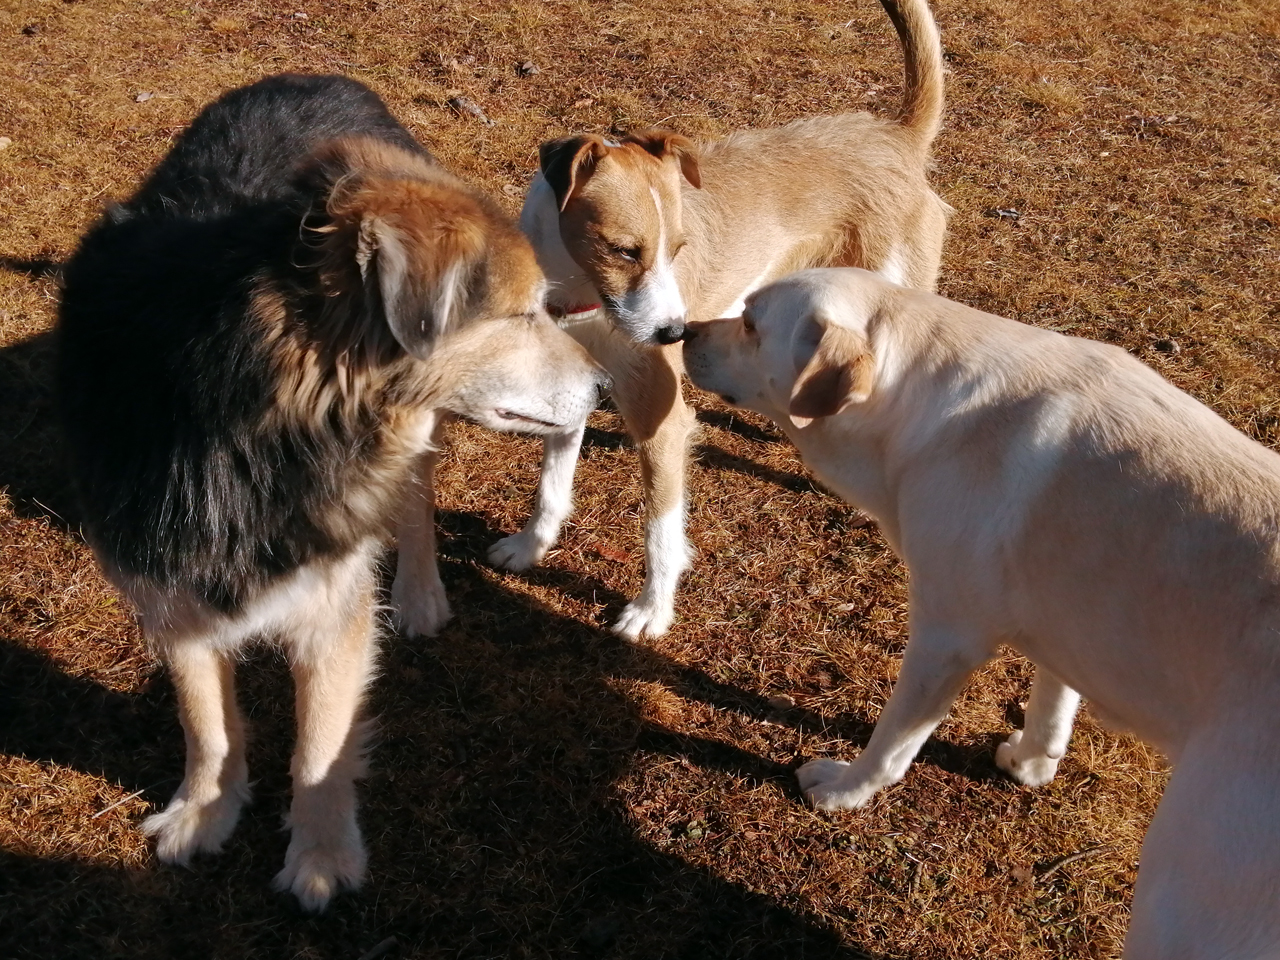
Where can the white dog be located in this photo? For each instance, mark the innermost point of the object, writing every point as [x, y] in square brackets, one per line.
[1056, 495]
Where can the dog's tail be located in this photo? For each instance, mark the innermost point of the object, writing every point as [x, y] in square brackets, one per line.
[922, 97]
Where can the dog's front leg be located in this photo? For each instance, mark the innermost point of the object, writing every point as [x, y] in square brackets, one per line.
[417, 594]
[661, 423]
[330, 673]
[203, 812]
[1031, 755]
[937, 662]
[522, 550]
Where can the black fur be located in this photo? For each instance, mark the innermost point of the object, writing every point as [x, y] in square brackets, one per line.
[165, 386]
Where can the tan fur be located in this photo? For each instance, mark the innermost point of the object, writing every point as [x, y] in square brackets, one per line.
[665, 231]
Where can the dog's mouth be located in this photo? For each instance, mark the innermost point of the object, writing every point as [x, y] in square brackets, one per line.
[514, 417]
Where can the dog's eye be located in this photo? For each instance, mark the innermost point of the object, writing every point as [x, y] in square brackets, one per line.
[630, 254]
[675, 251]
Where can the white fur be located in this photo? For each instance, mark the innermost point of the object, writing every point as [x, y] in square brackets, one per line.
[540, 221]
[522, 550]
[656, 302]
[735, 309]
[667, 556]
[894, 268]
[1057, 495]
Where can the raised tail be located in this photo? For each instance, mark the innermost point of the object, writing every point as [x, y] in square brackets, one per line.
[922, 97]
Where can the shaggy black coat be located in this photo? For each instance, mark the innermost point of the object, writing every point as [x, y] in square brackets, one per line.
[165, 382]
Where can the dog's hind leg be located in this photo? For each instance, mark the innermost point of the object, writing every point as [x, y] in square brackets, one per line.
[417, 594]
[331, 652]
[661, 423]
[203, 812]
[1031, 754]
[1209, 883]
[938, 661]
[522, 550]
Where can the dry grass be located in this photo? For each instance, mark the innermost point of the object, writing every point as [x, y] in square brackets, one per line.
[541, 789]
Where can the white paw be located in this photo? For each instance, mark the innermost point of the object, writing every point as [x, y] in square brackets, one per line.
[1034, 771]
[185, 828]
[645, 617]
[421, 610]
[520, 551]
[834, 785]
[315, 870]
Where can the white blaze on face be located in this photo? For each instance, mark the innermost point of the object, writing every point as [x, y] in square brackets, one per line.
[656, 302]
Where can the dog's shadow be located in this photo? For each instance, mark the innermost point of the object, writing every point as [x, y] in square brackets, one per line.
[31, 460]
[491, 812]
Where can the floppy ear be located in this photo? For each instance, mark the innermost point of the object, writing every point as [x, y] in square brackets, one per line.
[568, 162]
[839, 373]
[423, 281]
[663, 144]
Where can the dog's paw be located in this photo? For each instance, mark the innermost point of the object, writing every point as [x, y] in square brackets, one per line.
[644, 618]
[185, 828]
[314, 871]
[1031, 771]
[420, 610]
[520, 551]
[834, 785]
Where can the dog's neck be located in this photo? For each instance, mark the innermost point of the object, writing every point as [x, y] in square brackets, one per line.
[572, 297]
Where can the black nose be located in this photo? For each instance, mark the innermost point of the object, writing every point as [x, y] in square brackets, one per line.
[604, 383]
[672, 333]
[689, 334]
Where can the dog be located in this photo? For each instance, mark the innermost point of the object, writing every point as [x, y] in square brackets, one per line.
[639, 234]
[1057, 495]
[257, 352]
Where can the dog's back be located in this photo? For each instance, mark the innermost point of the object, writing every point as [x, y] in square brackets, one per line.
[167, 379]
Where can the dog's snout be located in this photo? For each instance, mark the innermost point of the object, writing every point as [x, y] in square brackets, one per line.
[690, 333]
[671, 333]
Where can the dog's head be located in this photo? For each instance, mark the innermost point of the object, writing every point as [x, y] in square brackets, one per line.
[800, 351]
[407, 253]
[620, 219]
[520, 374]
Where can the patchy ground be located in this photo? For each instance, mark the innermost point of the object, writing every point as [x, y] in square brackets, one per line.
[541, 789]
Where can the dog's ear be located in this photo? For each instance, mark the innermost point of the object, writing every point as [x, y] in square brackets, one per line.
[663, 144]
[839, 373]
[568, 162]
[422, 280]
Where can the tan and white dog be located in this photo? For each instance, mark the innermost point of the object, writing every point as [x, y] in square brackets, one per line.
[1056, 495]
[641, 234]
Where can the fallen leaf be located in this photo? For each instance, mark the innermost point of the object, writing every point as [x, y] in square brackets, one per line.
[609, 552]
[143, 97]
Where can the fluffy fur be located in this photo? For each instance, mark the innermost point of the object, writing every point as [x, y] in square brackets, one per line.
[256, 352]
[1056, 495]
[641, 234]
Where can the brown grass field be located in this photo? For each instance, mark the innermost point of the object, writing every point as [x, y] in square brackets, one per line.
[539, 788]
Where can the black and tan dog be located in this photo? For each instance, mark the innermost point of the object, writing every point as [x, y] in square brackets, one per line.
[257, 351]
